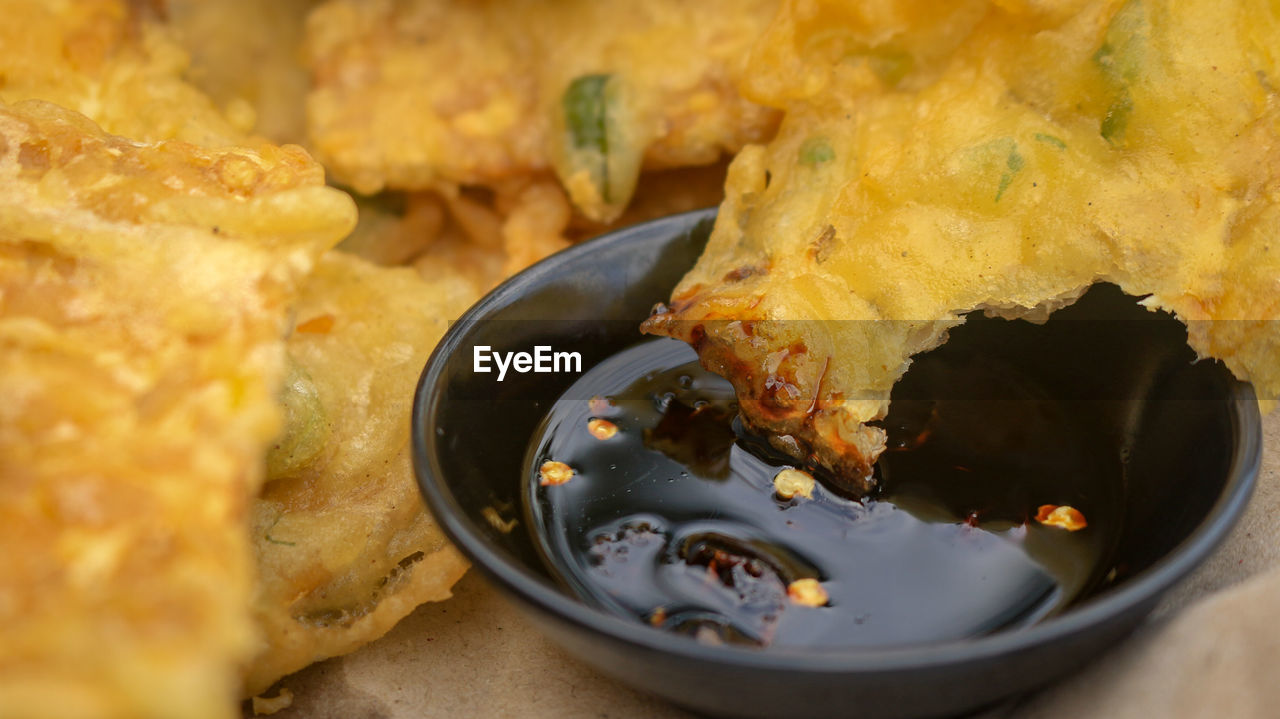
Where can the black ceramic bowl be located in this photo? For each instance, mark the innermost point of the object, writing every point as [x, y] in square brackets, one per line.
[1186, 442]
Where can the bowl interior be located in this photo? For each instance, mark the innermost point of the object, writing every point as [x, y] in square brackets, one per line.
[1179, 438]
[471, 431]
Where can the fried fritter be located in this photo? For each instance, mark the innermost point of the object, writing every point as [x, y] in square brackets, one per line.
[345, 547]
[484, 236]
[370, 552]
[112, 61]
[246, 56]
[661, 193]
[1000, 155]
[410, 95]
[144, 292]
[488, 239]
[394, 228]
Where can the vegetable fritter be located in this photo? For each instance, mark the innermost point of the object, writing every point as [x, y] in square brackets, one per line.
[410, 95]
[147, 284]
[144, 293]
[1000, 156]
[344, 546]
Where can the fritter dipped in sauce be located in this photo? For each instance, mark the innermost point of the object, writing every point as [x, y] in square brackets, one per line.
[1000, 156]
[680, 521]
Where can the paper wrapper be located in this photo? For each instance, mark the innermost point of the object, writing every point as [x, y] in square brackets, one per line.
[1210, 650]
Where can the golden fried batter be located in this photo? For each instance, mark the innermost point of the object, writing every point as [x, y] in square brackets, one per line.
[144, 291]
[484, 236]
[344, 544]
[410, 95]
[112, 61]
[1000, 155]
[246, 56]
[340, 474]
[487, 235]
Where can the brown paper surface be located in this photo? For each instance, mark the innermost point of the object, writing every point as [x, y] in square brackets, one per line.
[1210, 650]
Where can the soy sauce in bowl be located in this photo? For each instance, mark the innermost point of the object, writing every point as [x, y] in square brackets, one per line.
[671, 516]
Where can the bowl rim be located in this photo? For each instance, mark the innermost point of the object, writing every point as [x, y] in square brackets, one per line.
[541, 594]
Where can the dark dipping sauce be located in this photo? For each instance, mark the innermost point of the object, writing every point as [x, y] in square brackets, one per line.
[674, 521]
